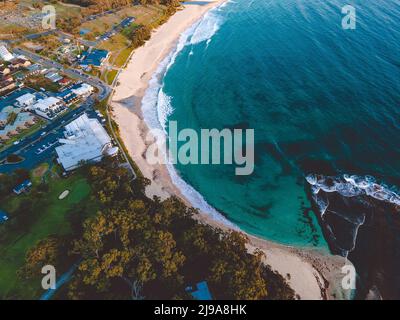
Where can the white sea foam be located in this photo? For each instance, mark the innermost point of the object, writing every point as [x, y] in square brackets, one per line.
[353, 185]
[207, 27]
[157, 106]
[164, 109]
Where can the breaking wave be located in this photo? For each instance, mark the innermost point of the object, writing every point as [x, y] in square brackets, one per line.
[353, 185]
[207, 27]
[157, 106]
[342, 218]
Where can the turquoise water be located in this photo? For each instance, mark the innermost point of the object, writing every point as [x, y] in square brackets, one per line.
[320, 99]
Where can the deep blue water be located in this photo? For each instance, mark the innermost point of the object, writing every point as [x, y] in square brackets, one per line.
[321, 99]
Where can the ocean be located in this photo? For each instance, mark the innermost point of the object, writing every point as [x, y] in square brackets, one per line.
[321, 100]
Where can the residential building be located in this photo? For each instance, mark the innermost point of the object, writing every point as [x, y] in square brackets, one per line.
[23, 120]
[4, 71]
[48, 107]
[201, 292]
[54, 76]
[26, 100]
[23, 187]
[18, 63]
[94, 58]
[3, 216]
[35, 69]
[5, 54]
[84, 90]
[7, 83]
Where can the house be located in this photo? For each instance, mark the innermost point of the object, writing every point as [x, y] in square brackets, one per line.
[4, 71]
[94, 58]
[22, 121]
[3, 119]
[34, 69]
[53, 77]
[3, 216]
[18, 63]
[68, 96]
[23, 187]
[84, 90]
[7, 83]
[5, 54]
[48, 107]
[201, 292]
[85, 141]
[64, 82]
[26, 100]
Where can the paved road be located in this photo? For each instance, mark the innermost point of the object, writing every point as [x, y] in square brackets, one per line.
[104, 89]
[29, 146]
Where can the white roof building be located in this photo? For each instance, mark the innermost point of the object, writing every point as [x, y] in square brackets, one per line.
[84, 90]
[26, 100]
[85, 140]
[53, 76]
[47, 104]
[5, 54]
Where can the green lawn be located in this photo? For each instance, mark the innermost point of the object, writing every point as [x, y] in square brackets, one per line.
[51, 220]
[122, 57]
[111, 76]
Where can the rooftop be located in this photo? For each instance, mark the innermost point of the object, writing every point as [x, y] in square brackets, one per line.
[95, 58]
[5, 54]
[85, 140]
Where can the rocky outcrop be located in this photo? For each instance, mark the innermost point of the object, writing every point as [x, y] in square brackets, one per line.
[361, 220]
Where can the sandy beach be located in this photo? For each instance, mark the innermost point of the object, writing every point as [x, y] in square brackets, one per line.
[312, 274]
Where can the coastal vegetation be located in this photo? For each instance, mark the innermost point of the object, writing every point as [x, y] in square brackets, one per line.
[134, 248]
[33, 217]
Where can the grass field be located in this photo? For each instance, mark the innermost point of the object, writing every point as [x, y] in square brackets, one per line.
[109, 75]
[142, 14]
[118, 45]
[51, 220]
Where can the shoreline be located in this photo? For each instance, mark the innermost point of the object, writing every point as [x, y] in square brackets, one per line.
[313, 274]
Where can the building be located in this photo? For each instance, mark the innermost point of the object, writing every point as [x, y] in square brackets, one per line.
[54, 77]
[7, 83]
[5, 54]
[85, 141]
[35, 69]
[76, 92]
[68, 97]
[19, 62]
[64, 82]
[23, 187]
[94, 58]
[201, 292]
[3, 216]
[26, 100]
[48, 107]
[23, 120]
[84, 90]
[4, 71]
